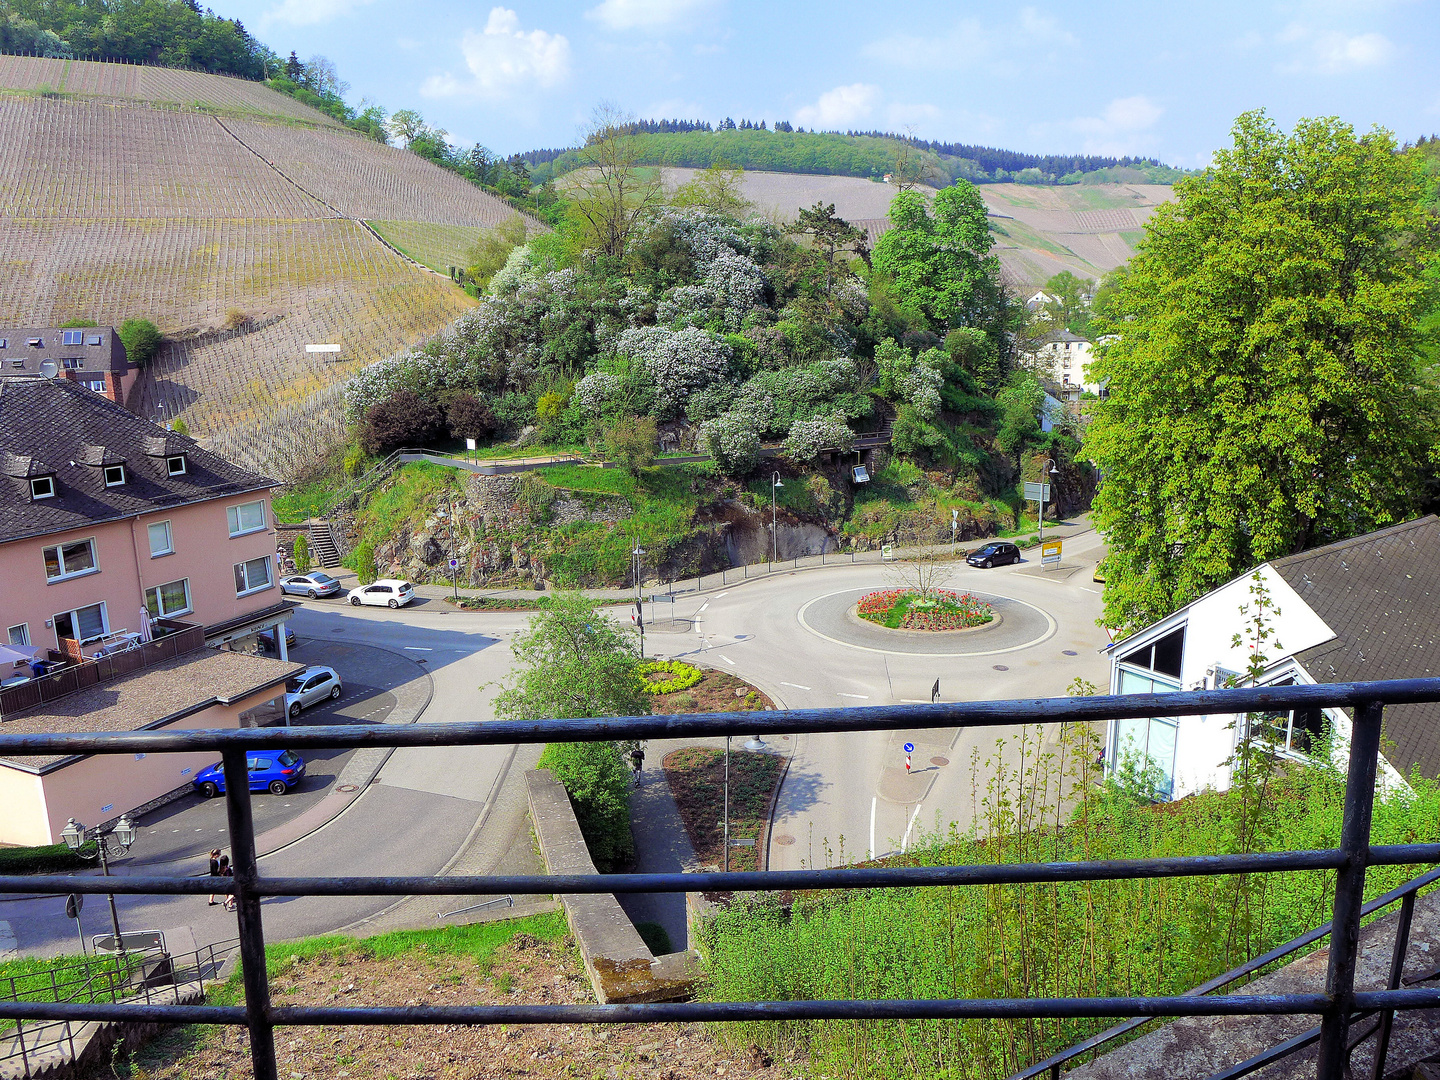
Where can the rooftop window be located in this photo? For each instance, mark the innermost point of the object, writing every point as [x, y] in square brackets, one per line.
[73, 363]
[175, 464]
[35, 342]
[114, 475]
[94, 339]
[42, 487]
[72, 337]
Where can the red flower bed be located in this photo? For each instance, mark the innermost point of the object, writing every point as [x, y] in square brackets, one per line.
[896, 609]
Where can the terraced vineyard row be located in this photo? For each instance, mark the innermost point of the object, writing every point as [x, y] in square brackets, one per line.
[437, 246]
[158, 85]
[363, 179]
[63, 159]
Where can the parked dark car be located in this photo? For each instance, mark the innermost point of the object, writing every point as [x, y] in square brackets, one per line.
[275, 771]
[996, 554]
[266, 638]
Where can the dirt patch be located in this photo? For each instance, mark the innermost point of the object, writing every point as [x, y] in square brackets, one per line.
[715, 692]
[526, 970]
[696, 776]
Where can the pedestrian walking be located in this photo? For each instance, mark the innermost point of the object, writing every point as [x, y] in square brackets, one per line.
[214, 871]
[226, 871]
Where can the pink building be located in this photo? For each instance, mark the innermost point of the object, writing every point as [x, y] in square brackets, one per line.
[104, 516]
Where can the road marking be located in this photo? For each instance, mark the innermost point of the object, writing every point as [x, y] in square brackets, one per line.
[703, 607]
[1083, 589]
[915, 701]
[727, 660]
[862, 697]
[796, 685]
[904, 840]
[873, 800]
[418, 648]
[720, 595]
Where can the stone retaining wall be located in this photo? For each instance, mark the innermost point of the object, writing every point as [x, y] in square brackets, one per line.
[621, 966]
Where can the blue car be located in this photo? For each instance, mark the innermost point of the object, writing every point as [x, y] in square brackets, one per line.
[275, 771]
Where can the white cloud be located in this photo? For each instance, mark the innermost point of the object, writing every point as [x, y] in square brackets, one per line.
[308, 12]
[1331, 52]
[1119, 130]
[1007, 48]
[1040, 27]
[842, 107]
[646, 14]
[503, 59]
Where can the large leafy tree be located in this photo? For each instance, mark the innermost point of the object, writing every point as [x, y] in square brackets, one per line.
[1265, 391]
[940, 264]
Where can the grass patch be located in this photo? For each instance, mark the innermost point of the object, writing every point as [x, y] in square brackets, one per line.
[301, 501]
[696, 775]
[409, 496]
[477, 940]
[75, 978]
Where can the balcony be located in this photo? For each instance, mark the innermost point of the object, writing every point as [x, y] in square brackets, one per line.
[1339, 1007]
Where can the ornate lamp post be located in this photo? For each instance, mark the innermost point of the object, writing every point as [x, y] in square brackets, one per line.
[114, 841]
[774, 532]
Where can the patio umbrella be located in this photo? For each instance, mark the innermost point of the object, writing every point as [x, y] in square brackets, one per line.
[16, 654]
[146, 634]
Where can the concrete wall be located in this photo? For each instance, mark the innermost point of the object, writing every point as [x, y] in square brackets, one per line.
[204, 554]
[100, 787]
[621, 966]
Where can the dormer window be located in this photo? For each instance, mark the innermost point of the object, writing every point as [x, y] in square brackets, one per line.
[175, 465]
[73, 363]
[72, 337]
[42, 487]
[35, 342]
[114, 475]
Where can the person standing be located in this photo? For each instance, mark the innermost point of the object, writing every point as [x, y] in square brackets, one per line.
[226, 871]
[214, 871]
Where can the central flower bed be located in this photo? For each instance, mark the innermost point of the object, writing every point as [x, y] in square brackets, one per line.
[906, 609]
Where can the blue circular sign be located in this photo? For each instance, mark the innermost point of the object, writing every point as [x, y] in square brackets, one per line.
[909, 748]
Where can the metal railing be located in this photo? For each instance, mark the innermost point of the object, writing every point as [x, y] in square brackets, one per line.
[1336, 1005]
[129, 978]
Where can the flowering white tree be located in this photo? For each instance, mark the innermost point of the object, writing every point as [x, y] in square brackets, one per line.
[808, 438]
[732, 442]
[677, 362]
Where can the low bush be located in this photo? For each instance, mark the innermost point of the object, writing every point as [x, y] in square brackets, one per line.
[597, 780]
[402, 419]
[141, 339]
[683, 676]
[302, 553]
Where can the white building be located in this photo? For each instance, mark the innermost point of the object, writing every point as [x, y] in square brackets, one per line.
[1066, 360]
[1360, 610]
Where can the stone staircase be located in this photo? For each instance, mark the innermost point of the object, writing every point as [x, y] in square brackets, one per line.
[322, 545]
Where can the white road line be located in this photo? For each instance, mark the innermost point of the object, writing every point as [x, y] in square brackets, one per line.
[727, 660]
[719, 595]
[418, 648]
[862, 697]
[703, 607]
[1083, 589]
[914, 701]
[796, 685]
[904, 840]
[873, 800]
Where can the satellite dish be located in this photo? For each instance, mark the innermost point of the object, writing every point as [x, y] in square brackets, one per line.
[48, 369]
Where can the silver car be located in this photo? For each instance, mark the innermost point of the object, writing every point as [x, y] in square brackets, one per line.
[315, 584]
[311, 685]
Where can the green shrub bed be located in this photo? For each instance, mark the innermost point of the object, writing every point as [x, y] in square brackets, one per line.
[682, 676]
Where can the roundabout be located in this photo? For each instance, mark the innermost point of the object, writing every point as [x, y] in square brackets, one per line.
[1016, 625]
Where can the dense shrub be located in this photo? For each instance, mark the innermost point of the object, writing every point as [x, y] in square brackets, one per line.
[598, 783]
[141, 339]
[808, 438]
[302, 553]
[732, 442]
[678, 362]
[631, 442]
[468, 417]
[403, 419]
[363, 563]
[682, 676]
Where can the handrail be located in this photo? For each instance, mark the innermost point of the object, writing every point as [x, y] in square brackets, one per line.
[1349, 860]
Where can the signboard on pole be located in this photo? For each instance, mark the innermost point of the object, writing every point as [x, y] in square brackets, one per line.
[454, 563]
[887, 553]
[1050, 553]
[1037, 492]
[135, 941]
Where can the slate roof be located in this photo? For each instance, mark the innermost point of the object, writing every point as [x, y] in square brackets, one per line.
[57, 426]
[1380, 594]
[100, 350]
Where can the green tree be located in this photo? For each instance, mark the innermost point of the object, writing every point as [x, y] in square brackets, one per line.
[141, 339]
[302, 554]
[1264, 392]
[1068, 307]
[1020, 401]
[490, 252]
[941, 265]
[609, 191]
[830, 236]
[630, 442]
[719, 189]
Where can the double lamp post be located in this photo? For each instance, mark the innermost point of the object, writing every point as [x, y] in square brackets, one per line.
[109, 843]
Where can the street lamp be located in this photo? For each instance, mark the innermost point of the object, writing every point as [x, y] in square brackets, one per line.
[639, 607]
[1044, 482]
[774, 532]
[122, 833]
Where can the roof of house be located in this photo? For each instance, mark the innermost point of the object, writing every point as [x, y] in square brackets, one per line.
[100, 349]
[1380, 594]
[159, 695]
[57, 427]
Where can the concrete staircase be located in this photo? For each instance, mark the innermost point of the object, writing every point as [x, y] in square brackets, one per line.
[322, 545]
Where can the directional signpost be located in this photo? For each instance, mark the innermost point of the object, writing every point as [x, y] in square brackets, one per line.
[1050, 553]
[73, 903]
[909, 749]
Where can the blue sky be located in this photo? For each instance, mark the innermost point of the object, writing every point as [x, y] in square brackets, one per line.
[1119, 78]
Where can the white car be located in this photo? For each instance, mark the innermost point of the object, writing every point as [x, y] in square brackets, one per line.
[387, 592]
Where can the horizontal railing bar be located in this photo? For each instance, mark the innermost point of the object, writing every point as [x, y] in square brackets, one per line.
[792, 721]
[731, 1011]
[1247, 968]
[876, 877]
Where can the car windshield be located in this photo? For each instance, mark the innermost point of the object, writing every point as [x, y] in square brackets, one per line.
[293, 685]
[321, 579]
[287, 758]
[991, 549]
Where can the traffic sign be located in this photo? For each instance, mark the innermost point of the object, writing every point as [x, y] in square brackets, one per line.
[909, 748]
[1037, 492]
[73, 903]
[135, 941]
[454, 563]
[1050, 552]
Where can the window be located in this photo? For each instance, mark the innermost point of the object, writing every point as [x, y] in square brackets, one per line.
[114, 475]
[83, 624]
[252, 576]
[1146, 746]
[1163, 655]
[19, 635]
[172, 598]
[161, 542]
[18, 365]
[72, 337]
[246, 518]
[1299, 731]
[94, 339]
[42, 487]
[97, 384]
[73, 363]
[68, 560]
[267, 712]
[175, 466]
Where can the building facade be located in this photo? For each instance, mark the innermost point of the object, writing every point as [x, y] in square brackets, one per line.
[92, 357]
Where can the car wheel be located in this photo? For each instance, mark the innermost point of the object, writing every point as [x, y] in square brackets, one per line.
[988, 564]
[355, 600]
[394, 603]
[277, 787]
[313, 595]
[335, 691]
[295, 710]
[209, 789]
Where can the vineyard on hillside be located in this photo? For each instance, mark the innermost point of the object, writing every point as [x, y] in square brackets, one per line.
[153, 85]
[243, 240]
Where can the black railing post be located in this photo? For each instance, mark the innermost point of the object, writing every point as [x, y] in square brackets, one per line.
[1350, 890]
[1397, 970]
[247, 904]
